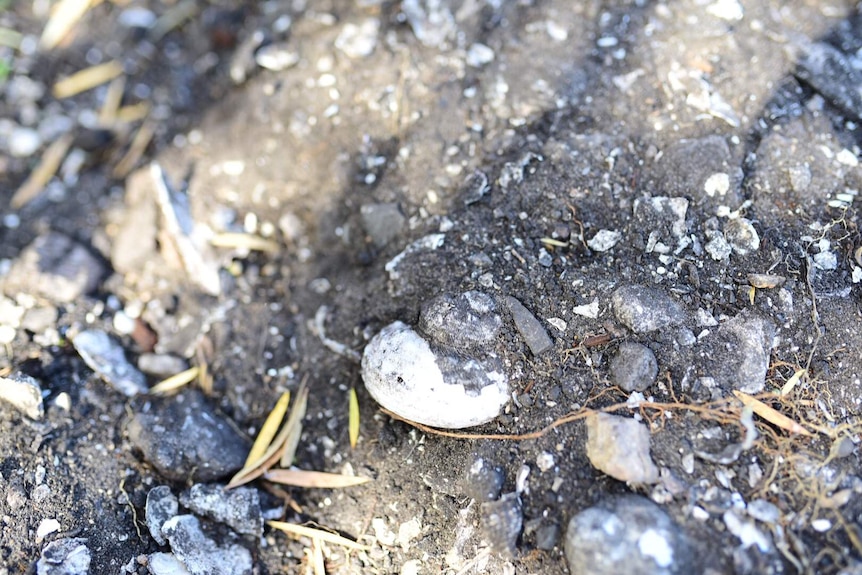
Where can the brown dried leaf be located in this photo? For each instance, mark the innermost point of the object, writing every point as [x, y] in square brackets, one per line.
[319, 534]
[770, 414]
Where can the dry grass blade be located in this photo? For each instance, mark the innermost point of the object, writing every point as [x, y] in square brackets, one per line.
[770, 414]
[313, 479]
[317, 558]
[275, 450]
[133, 112]
[244, 241]
[87, 79]
[64, 17]
[791, 383]
[42, 174]
[269, 429]
[294, 426]
[318, 534]
[353, 418]
[136, 150]
[113, 99]
[175, 382]
[173, 18]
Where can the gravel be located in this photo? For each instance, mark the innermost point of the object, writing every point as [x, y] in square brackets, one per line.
[620, 447]
[644, 309]
[634, 367]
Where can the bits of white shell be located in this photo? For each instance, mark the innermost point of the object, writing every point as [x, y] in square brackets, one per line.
[430, 382]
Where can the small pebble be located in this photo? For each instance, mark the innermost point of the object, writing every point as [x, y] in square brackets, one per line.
[604, 240]
[358, 41]
[529, 327]
[64, 557]
[634, 368]
[627, 534]
[25, 393]
[276, 57]
[161, 505]
[479, 54]
[737, 354]
[24, 142]
[238, 508]
[201, 554]
[502, 521]
[619, 446]
[644, 309]
[106, 357]
[165, 564]
[484, 481]
[741, 236]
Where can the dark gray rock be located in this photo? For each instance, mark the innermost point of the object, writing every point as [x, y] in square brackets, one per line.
[161, 506]
[737, 356]
[64, 557]
[627, 534]
[237, 508]
[644, 309]
[529, 327]
[55, 267]
[475, 187]
[465, 322]
[832, 74]
[634, 368]
[502, 521]
[202, 555]
[382, 222]
[685, 167]
[483, 481]
[185, 439]
[106, 357]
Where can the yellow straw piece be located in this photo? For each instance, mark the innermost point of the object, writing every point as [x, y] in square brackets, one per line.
[87, 79]
[269, 429]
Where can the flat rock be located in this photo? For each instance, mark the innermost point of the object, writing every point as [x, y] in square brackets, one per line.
[627, 534]
[185, 439]
[65, 557]
[238, 508]
[502, 521]
[161, 505]
[529, 327]
[56, 268]
[202, 555]
[465, 321]
[644, 309]
[106, 357]
[634, 367]
[25, 393]
[430, 384]
[738, 353]
[619, 446]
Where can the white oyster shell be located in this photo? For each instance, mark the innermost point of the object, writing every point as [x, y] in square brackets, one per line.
[427, 384]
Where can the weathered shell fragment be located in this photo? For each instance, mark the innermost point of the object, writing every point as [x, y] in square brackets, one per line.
[446, 374]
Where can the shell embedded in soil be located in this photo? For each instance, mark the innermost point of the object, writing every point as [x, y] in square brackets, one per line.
[428, 384]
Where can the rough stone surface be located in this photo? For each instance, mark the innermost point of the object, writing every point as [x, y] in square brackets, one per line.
[502, 521]
[627, 534]
[466, 321]
[432, 385]
[483, 481]
[634, 367]
[741, 235]
[738, 356]
[644, 309]
[65, 557]
[238, 508]
[202, 555]
[106, 357]
[534, 334]
[54, 267]
[382, 222]
[619, 446]
[686, 166]
[25, 393]
[161, 506]
[185, 439]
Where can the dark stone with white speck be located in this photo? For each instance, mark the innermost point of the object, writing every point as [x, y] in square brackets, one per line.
[738, 353]
[202, 555]
[185, 439]
[529, 327]
[502, 521]
[484, 481]
[630, 535]
[161, 506]
[238, 508]
[547, 536]
[466, 321]
[644, 309]
[634, 368]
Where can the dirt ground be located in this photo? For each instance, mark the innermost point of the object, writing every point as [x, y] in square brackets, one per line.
[680, 145]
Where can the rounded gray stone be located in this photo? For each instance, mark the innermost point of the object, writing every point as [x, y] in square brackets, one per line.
[634, 368]
[465, 321]
[628, 534]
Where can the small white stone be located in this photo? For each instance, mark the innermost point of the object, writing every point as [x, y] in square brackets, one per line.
[479, 54]
[652, 544]
[590, 310]
[46, 527]
[847, 158]
[726, 10]
[826, 261]
[718, 183]
[821, 525]
[604, 240]
[404, 375]
[856, 275]
[358, 41]
[545, 461]
[558, 323]
[24, 142]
